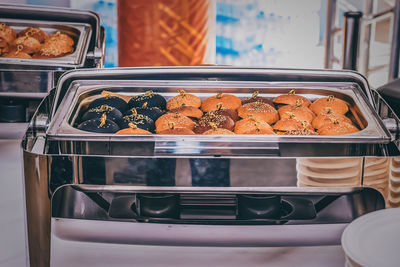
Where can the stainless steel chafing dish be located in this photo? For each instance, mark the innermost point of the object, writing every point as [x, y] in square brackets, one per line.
[27, 81]
[205, 190]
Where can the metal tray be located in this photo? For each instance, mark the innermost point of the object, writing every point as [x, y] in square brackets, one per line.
[81, 92]
[79, 32]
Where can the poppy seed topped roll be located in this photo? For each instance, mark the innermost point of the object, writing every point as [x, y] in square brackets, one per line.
[99, 125]
[260, 111]
[141, 121]
[152, 99]
[183, 99]
[111, 112]
[291, 99]
[228, 102]
[111, 101]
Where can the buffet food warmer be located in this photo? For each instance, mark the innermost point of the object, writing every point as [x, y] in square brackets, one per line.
[194, 190]
[24, 82]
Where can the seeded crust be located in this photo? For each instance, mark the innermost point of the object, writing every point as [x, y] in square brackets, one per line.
[301, 132]
[258, 99]
[329, 104]
[205, 123]
[339, 128]
[286, 125]
[250, 126]
[178, 120]
[231, 113]
[299, 112]
[15, 53]
[324, 119]
[291, 99]
[29, 44]
[228, 102]
[188, 111]
[260, 111]
[7, 33]
[36, 33]
[183, 99]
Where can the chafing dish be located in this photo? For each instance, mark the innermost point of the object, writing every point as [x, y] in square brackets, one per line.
[206, 191]
[27, 81]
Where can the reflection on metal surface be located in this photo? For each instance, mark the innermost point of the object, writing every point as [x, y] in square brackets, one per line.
[109, 183]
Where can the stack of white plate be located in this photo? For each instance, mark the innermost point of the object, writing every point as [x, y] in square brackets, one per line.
[376, 174]
[315, 172]
[394, 183]
[373, 239]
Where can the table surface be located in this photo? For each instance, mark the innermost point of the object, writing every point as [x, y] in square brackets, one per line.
[13, 251]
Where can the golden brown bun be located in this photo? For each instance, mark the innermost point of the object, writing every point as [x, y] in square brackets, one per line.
[226, 100]
[206, 123]
[17, 53]
[299, 112]
[188, 111]
[61, 39]
[7, 33]
[53, 49]
[178, 130]
[218, 131]
[36, 33]
[29, 44]
[260, 111]
[183, 99]
[329, 104]
[338, 128]
[252, 126]
[177, 120]
[323, 119]
[133, 131]
[292, 99]
[256, 98]
[56, 45]
[286, 125]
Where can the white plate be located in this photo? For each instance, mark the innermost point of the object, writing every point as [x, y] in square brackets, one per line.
[374, 239]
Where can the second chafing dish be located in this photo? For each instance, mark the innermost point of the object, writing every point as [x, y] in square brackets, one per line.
[79, 32]
[78, 91]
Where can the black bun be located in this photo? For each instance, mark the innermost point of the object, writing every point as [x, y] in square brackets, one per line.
[141, 121]
[153, 112]
[95, 125]
[152, 99]
[112, 101]
[94, 113]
